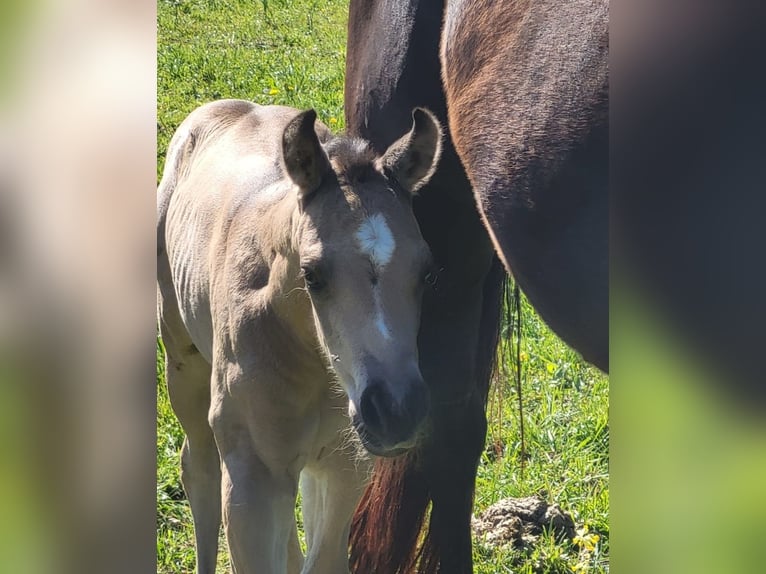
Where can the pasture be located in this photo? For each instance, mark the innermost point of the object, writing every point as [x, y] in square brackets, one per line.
[292, 52]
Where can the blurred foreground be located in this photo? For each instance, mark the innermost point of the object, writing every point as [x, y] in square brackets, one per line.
[77, 321]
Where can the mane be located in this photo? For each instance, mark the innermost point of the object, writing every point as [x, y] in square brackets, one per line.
[352, 159]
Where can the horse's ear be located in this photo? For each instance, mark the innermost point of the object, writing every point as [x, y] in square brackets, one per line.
[305, 161]
[413, 158]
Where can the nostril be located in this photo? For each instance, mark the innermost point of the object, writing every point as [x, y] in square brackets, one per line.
[389, 420]
[373, 406]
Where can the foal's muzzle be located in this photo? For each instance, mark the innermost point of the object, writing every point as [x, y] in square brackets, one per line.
[387, 426]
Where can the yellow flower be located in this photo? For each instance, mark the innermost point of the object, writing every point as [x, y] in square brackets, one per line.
[333, 121]
[550, 367]
[524, 356]
[586, 540]
[273, 91]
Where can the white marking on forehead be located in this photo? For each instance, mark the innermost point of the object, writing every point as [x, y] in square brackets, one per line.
[375, 240]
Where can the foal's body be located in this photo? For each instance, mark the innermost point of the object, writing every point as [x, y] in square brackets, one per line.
[247, 342]
[276, 410]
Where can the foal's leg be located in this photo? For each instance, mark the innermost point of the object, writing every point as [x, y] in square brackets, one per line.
[331, 487]
[294, 552]
[257, 516]
[188, 379]
[259, 479]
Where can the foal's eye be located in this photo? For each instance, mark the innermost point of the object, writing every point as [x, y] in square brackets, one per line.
[312, 279]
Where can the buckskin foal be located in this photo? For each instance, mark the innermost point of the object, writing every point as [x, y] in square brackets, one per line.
[290, 271]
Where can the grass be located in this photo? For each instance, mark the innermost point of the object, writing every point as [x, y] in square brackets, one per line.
[292, 52]
[566, 426]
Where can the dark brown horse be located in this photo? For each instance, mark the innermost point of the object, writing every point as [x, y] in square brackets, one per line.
[525, 94]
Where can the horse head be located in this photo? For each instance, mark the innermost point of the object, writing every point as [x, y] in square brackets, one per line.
[365, 265]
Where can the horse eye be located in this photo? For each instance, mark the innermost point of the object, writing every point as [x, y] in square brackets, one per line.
[311, 278]
[430, 277]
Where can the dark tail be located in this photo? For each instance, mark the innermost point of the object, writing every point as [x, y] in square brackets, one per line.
[514, 303]
[388, 533]
[510, 355]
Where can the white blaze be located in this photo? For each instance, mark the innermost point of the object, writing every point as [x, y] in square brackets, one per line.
[380, 319]
[375, 240]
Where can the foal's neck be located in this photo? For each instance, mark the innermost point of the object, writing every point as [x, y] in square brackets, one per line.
[287, 294]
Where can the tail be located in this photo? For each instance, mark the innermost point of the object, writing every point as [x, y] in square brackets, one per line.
[513, 356]
[388, 521]
[510, 364]
[388, 531]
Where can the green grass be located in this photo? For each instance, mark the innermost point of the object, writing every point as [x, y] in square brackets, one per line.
[292, 52]
[565, 404]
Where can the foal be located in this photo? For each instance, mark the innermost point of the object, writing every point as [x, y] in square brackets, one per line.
[290, 272]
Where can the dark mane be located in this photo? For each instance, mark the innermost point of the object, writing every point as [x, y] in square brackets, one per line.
[351, 158]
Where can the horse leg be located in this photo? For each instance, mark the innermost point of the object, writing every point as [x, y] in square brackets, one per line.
[460, 367]
[258, 493]
[257, 514]
[331, 487]
[294, 553]
[188, 380]
[311, 507]
[452, 464]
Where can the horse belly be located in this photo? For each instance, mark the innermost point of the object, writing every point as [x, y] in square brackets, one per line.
[195, 313]
[187, 239]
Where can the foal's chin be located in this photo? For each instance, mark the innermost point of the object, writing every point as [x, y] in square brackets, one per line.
[376, 448]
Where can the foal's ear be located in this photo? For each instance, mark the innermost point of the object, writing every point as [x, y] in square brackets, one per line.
[413, 158]
[305, 161]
